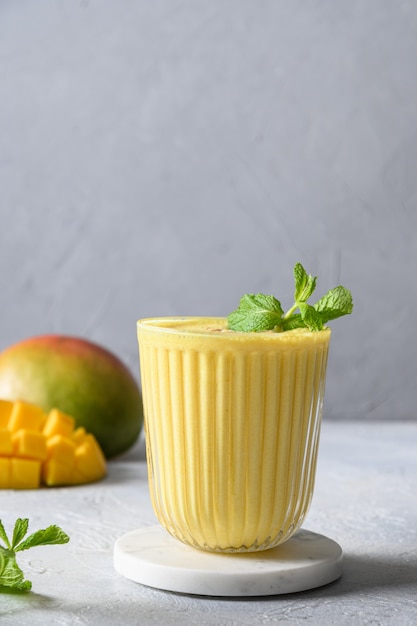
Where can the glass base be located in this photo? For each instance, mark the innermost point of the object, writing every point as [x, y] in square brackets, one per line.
[152, 557]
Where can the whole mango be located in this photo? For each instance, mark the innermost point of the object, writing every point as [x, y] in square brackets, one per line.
[79, 378]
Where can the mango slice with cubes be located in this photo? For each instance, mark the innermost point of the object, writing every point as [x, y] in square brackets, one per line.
[38, 449]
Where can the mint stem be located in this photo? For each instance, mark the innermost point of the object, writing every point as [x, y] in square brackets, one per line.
[290, 311]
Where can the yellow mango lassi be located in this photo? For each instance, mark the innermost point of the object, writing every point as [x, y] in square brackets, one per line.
[232, 424]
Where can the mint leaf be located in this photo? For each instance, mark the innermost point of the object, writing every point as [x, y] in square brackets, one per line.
[4, 536]
[19, 531]
[256, 313]
[310, 317]
[305, 284]
[335, 303]
[48, 536]
[11, 576]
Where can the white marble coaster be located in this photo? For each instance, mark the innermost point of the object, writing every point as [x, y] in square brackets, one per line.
[152, 557]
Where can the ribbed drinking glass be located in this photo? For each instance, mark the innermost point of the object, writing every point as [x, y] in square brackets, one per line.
[232, 423]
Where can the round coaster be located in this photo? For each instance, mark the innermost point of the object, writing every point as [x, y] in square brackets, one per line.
[152, 557]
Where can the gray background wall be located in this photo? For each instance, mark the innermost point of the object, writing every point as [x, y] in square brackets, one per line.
[165, 157]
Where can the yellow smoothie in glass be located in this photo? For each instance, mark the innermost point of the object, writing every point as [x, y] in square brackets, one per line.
[232, 424]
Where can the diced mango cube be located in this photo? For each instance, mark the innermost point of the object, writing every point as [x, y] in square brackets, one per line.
[30, 444]
[79, 434]
[55, 473]
[25, 415]
[89, 459]
[61, 448]
[6, 407]
[58, 423]
[25, 473]
[6, 444]
[4, 473]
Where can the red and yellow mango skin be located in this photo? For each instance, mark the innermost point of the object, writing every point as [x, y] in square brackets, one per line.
[80, 378]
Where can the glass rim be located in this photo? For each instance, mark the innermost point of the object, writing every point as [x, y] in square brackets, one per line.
[177, 326]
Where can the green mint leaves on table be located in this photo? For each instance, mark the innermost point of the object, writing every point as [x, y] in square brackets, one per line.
[11, 576]
[257, 313]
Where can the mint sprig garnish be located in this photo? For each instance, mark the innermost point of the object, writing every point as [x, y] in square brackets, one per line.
[260, 312]
[11, 576]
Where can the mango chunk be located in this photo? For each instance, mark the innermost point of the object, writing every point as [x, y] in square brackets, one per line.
[58, 423]
[4, 473]
[25, 473]
[89, 459]
[55, 473]
[61, 448]
[29, 444]
[79, 434]
[6, 407]
[25, 415]
[6, 444]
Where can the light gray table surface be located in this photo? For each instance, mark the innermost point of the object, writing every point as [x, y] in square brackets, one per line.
[365, 499]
